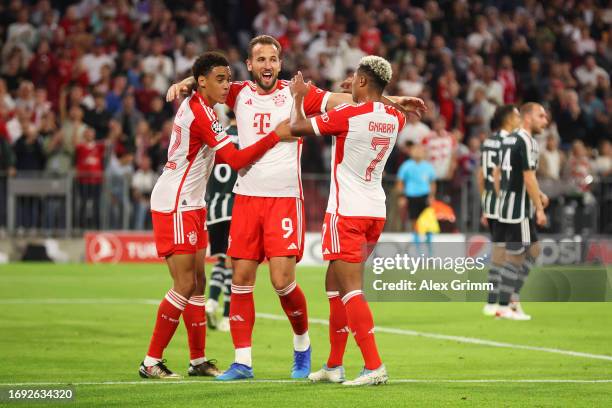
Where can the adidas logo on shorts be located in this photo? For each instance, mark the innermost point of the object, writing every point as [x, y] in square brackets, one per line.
[292, 246]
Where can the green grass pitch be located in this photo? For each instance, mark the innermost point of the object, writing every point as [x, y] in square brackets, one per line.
[89, 325]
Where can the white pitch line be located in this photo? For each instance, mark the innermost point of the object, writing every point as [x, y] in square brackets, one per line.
[380, 329]
[392, 381]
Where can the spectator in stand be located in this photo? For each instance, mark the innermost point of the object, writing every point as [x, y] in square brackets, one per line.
[95, 60]
[142, 184]
[158, 115]
[73, 129]
[29, 159]
[270, 21]
[579, 168]
[99, 116]
[7, 169]
[114, 97]
[603, 162]
[146, 94]
[414, 131]
[89, 159]
[588, 73]
[160, 66]
[440, 146]
[118, 173]
[480, 113]
[508, 79]
[129, 117]
[572, 121]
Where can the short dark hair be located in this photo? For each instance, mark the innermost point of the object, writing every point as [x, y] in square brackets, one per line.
[501, 115]
[374, 79]
[263, 39]
[206, 62]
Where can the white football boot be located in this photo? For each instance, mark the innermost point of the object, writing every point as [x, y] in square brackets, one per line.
[370, 377]
[506, 312]
[326, 374]
[489, 309]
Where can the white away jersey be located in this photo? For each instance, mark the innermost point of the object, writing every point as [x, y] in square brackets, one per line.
[277, 172]
[365, 135]
[196, 136]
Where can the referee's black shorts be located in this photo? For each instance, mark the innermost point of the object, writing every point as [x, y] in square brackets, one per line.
[416, 205]
[519, 236]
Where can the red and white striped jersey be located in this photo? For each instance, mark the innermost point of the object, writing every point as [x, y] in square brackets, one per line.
[196, 136]
[277, 172]
[365, 135]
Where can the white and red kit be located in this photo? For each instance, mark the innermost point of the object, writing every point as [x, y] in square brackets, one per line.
[177, 201]
[268, 213]
[356, 211]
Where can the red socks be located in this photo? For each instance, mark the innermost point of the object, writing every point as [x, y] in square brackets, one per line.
[242, 315]
[338, 330]
[362, 326]
[293, 301]
[168, 315]
[194, 317]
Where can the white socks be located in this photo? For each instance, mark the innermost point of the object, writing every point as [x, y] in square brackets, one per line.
[301, 342]
[243, 356]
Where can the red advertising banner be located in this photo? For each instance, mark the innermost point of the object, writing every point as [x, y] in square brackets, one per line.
[119, 246]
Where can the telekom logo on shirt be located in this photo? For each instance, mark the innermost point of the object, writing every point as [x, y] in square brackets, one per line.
[261, 121]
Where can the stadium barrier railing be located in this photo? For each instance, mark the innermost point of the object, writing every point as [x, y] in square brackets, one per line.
[43, 204]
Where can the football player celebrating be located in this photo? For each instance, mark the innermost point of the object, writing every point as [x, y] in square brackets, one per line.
[364, 135]
[268, 216]
[179, 214]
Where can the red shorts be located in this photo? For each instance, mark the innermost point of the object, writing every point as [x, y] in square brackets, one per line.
[349, 239]
[180, 232]
[264, 227]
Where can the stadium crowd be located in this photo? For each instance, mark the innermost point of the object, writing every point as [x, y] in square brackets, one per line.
[82, 86]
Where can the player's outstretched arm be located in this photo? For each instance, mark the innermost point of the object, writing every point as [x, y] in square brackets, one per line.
[238, 159]
[298, 123]
[405, 104]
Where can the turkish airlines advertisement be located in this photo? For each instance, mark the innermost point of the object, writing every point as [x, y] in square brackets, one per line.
[119, 246]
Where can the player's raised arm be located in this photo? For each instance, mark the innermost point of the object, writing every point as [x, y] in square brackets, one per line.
[298, 122]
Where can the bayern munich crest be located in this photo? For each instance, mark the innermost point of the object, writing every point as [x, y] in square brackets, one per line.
[279, 99]
[193, 237]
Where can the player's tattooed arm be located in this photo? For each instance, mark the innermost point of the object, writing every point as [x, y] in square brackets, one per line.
[299, 124]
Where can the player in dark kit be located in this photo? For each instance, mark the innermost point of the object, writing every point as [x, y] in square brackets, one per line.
[520, 200]
[505, 120]
[220, 199]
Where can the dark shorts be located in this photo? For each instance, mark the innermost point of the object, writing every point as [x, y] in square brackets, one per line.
[218, 234]
[416, 205]
[496, 230]
[519, 236]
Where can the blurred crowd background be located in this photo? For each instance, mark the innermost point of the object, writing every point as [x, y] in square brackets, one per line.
[82, 88]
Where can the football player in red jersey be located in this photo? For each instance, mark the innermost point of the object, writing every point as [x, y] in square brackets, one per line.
[179, 214]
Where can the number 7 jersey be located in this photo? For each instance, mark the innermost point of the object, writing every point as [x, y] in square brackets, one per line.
[365, 135]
